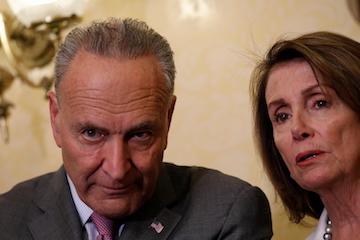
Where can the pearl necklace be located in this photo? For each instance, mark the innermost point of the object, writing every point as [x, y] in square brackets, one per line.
[328, 230]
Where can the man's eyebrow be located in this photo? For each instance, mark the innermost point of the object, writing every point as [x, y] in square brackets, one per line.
[142, 126]
[86, 124]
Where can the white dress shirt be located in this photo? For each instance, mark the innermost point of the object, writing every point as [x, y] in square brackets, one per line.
[319, 231]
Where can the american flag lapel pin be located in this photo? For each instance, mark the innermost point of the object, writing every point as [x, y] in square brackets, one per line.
[157, 226]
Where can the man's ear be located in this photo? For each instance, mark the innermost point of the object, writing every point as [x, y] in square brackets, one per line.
[169, 117]
[171, 110]
[54, 117]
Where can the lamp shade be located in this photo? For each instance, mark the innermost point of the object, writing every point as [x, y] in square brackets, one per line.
[29, 12]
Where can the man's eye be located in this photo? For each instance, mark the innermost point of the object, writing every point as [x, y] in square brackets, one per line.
[142, 136]
[141, 139]
[281, 117]
[92, 134]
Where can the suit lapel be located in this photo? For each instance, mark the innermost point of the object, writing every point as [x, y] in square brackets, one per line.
[55, 216]
[157, 220]
[158, 228]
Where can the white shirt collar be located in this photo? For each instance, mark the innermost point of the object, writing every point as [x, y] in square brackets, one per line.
[320, 228]
[83, 210]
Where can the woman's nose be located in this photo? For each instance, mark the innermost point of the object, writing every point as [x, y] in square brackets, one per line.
[300, 128]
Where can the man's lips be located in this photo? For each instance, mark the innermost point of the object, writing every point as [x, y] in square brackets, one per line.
[307, 155]
[119, 190]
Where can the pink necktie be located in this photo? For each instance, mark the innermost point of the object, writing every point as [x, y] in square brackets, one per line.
[104, 226]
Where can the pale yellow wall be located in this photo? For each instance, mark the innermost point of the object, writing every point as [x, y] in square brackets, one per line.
[214, 56]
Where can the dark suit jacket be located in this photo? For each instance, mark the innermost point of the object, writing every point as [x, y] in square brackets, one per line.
[190, 203]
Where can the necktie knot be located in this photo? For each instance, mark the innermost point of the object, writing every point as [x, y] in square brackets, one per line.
[104, 225]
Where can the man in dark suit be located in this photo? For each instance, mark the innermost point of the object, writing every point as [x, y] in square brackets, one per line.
[110, 115]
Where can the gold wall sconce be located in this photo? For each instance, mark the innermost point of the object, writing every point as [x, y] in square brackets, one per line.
[29, 39]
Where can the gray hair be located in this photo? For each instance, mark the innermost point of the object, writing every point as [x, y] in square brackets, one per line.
[119, 38]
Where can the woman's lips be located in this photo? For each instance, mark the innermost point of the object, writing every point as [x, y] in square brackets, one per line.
[307, 155]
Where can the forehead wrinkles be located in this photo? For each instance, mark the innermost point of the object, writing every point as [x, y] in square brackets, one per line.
[146, 97]
[283, 76]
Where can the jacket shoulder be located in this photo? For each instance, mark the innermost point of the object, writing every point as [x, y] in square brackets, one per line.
[24, 190]
[220, 206]
[18, 201]
[201, 178]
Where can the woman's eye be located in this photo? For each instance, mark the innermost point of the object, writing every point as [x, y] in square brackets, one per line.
[281, 117]
[321, 104]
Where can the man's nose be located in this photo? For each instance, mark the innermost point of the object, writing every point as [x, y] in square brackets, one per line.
[117, 162]
[300, 128]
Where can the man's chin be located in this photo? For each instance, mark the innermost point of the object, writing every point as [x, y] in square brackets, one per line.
[114, 208]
